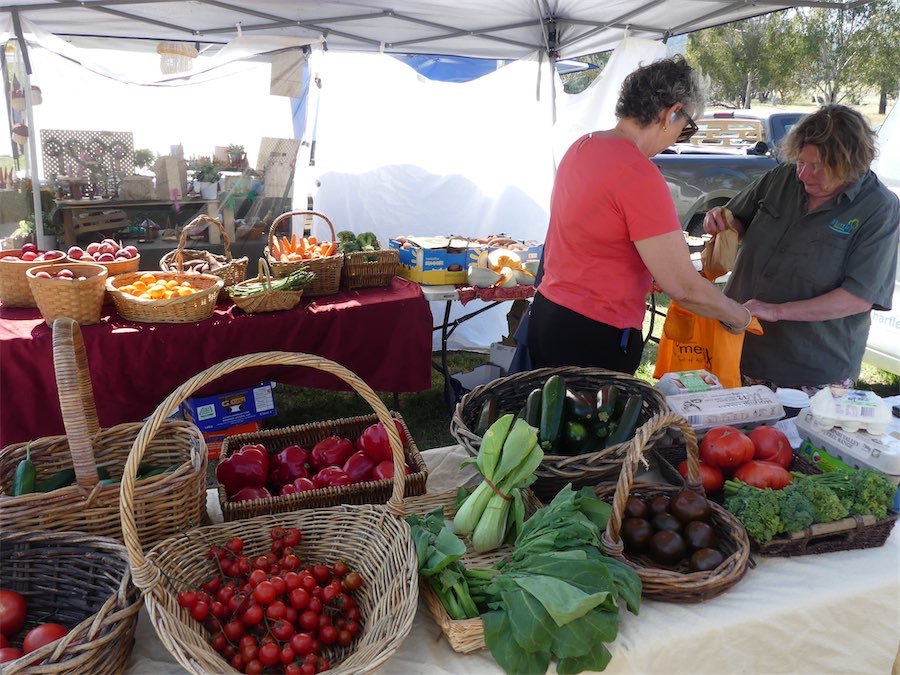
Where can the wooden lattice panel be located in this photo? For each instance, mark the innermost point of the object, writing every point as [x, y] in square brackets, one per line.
[105, 156]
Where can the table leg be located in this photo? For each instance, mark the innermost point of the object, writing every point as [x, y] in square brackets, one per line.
[449, 398]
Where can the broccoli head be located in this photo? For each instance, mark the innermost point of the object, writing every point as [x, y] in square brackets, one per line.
[873, 494]
[797, 511]
[826, 504]
[758, 510]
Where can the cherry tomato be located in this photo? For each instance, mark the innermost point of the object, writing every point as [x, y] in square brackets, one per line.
[293, 669]
[771, 445]
[352, 581]
[309, 620]
[282, 631]
[236, 545]
[287, 655]
[218, 641]
[276, 610]
[290, 562]
[292, 580]
[234, 630]
[43, 634]
[299, 598]
[238, 662]
[252, 616]
[270, 654]
[328, 634]
[291, 536]
[249, 651]
[254, 667]
[279, 584]
[726, 447]
[12, 612]
[264, 593]
[277, 532]
[302, 643]
[344, 637]
[200, 611]
[340, 568]
[257, 577]
[321, 573]
[353, 627]
[187, 599]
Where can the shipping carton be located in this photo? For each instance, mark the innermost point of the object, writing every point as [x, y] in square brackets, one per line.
[212, 413]
[738, 407]
[214, 439]
[436, 260]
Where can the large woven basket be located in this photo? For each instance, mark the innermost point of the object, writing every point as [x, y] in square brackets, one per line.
[327, 270]
[269, 300]
[370, 269]
[373, 539]
[556, 471]
[77, 298]
[464, 635]
[14, 288]
[78, 580]
[842, 535]
[232, 271]
[167, 503]
[674, 584]
[186, 309]
[306, 436]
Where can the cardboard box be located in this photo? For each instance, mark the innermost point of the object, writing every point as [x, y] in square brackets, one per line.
[214, 439]
[212, 413]
[533, 251]
[501, 355]
[687, 381]
[436, 260]
[738, 407]
[857, 448]
[465, 382]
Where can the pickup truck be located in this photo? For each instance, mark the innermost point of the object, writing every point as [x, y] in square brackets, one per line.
[730, 151]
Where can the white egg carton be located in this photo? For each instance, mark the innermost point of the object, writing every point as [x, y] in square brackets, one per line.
[851, 410]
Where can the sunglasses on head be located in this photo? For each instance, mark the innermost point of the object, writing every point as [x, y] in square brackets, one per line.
[688, 131]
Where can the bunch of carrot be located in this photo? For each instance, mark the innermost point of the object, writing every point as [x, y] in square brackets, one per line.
[286, 249]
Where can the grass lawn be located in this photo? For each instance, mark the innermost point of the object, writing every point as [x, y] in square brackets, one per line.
[428, 417]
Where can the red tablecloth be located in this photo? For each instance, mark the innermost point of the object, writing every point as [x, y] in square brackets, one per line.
[381, 334]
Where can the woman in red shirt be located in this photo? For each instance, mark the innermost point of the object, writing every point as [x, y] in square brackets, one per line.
[614, 230]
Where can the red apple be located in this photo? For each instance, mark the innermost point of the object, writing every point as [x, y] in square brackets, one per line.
[75, 253]
[65, 273]
[111, 242]
[106, 257]
[29, 256]
[93, 248]
[43, 275]
[132, 250]
[29, 247]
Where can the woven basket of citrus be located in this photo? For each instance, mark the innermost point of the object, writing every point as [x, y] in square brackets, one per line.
[164, 297]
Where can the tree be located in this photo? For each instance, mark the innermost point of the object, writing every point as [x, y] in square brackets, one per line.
[573, 83]
[881, 71]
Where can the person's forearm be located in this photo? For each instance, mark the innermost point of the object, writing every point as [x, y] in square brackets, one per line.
[835, 304]
[703, 298]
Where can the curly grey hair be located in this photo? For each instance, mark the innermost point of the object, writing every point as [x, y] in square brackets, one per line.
[660, 85]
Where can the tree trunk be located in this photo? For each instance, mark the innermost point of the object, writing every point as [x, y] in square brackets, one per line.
[882, 102]
[747, 91]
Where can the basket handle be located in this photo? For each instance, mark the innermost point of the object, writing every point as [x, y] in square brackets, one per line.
[610, 538]
[264, 272]
[182, 242]
[76, 399]
[147, 575]
[290, 214]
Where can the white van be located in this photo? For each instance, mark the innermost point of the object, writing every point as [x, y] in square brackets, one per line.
[883, 347]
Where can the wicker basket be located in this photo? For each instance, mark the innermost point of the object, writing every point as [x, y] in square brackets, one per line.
[842, 535]
[233, 271]
[373, 539]
[327, 270]
[14, 288]
[82, 582]
[370, 269]
[167, 503]
[79, 300]
[121, 265]
[270, 300]
[674, 584]
[185, 309]
[464, 635]
[556, 471]
[306, 436]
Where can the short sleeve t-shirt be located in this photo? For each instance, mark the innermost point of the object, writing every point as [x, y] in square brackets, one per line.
[606, 196]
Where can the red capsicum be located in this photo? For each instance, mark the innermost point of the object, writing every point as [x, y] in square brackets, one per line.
[250, 493]
[331, 476]
[287, 464]
[374, 441]
[331, 451]
[246, 467]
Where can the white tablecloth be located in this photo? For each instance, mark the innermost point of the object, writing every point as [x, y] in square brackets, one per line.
[829, 613]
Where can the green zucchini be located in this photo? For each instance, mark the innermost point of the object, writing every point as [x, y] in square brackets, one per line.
[607, 397]
[627, 423]
[553, 402]
[533, 408]
[580, 407]
[486, 416]
[25, 476]
[58, 480]
[575, 435]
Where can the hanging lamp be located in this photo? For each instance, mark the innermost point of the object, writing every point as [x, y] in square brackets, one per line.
[175, 57]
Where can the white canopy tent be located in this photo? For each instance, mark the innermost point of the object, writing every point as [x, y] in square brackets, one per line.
[395, 153]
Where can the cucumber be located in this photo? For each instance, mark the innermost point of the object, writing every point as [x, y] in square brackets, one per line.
[580, 407]
[58, 480]
[533, 408]
[627, 423]
[607, 397]
[486, 416]
[25, 476]
[575, 436]
[553, 402]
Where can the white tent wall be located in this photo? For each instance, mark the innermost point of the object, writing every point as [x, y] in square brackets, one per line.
[399, 154]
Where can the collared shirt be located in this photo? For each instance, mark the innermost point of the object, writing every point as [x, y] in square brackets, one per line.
[787, 254]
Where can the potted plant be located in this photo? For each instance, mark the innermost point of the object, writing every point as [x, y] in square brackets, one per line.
[206, 178]
[236, 155]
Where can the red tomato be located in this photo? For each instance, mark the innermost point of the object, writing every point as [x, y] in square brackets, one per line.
[711, 477]
[43, 634]
[9, 654]
[771, 445]
[12, 612]
[726, 447]
[764, 475]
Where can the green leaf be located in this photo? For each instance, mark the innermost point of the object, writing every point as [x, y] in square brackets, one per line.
[532, 627]
[507, 653]
[445, 549]
[576, 637]
[595, 660]
[563, 601]
[628, 583]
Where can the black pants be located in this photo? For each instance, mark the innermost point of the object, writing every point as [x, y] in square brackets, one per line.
[557, 337]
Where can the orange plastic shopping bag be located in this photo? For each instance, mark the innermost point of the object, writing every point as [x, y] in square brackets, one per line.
[692, 342]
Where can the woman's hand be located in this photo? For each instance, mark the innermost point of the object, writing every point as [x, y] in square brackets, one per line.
[716, 220]
[766, 311]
